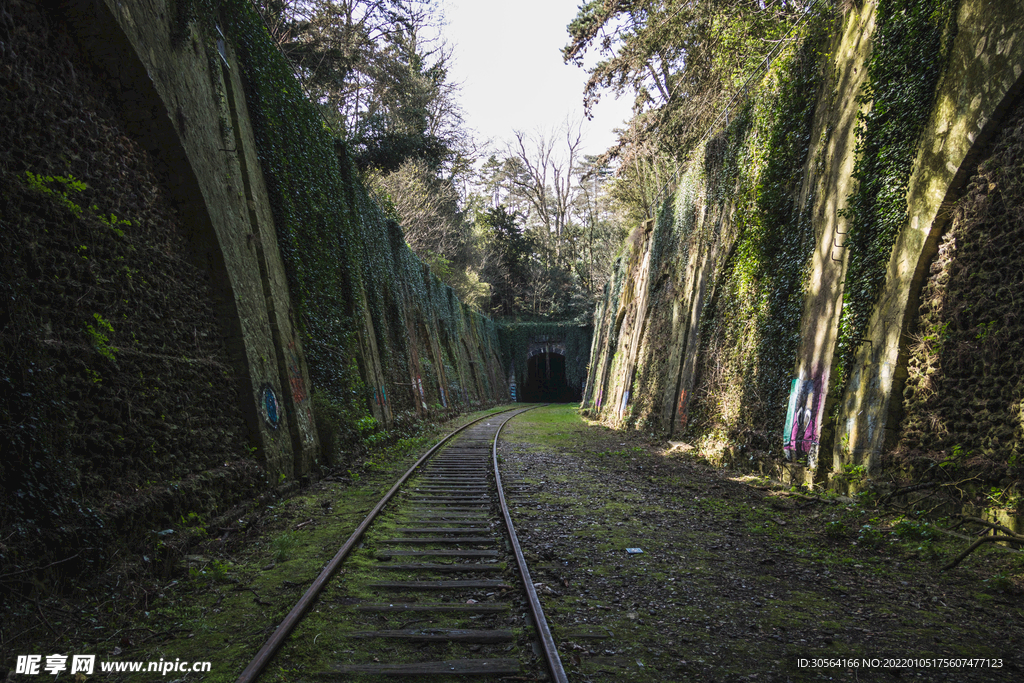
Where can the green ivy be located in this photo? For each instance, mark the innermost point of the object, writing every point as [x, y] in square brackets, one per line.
[754, 317]
[63, 189]
[742, 193]
[911, 42]
[60, 189]
[98, 336]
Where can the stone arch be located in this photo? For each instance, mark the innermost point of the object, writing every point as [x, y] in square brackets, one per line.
[546, 378]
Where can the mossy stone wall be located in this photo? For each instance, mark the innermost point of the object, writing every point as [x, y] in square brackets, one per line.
[965, 387]
[200, 302]
[120, 396]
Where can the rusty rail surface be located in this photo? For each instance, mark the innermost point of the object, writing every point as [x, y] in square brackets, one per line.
[540, 621]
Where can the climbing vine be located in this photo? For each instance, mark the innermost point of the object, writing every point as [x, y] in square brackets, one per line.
[736, 235]
[751, 324]
[910, 45]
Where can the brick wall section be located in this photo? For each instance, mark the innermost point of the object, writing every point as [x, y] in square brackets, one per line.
[966, 374]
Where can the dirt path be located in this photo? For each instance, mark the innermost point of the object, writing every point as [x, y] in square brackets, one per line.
[736, 583]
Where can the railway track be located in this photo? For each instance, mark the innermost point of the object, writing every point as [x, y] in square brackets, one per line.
[434, 577]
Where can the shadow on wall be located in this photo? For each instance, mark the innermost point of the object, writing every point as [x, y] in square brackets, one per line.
[546, 381]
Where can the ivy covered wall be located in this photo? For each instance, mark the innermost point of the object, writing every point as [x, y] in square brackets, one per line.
[698, 329]
[766, 314]
[571, 339]
[384, 338]
[974, 71]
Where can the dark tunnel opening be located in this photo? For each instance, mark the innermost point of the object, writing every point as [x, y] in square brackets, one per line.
[546, 381]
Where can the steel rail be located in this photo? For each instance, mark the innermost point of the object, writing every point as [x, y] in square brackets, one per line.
[285, 628]
[539, 620]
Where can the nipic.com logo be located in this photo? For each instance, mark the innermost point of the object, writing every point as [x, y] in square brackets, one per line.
[34, 665]
[55, 664]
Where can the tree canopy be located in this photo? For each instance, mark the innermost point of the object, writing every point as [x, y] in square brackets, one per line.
[528, 231]
[682, 61]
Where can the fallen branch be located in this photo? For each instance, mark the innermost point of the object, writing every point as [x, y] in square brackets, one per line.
[39, 569]
[162, 633]
[794, 494]
[258, 600]
[1009, 535]
[43, 617]
[974, 546]
[956, 484]
[990, 525]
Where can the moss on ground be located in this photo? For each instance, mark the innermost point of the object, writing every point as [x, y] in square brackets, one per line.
[736, 578]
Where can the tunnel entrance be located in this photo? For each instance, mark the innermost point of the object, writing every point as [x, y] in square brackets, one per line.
[546, 381]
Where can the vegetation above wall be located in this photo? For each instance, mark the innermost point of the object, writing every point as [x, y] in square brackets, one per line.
[378, 73]
[683, 62]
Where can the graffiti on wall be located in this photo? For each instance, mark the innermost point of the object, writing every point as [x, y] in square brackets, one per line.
[800, 434]
[419, 387]
[625, 402]
[682, 417]
[270, 410]
[380, 397]
[300, 397]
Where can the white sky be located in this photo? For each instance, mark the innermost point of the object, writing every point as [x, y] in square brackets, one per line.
[507, 59]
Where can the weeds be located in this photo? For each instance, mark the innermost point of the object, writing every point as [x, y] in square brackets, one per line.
[836, 530]
[283, 546]
[215, 572]
[98, 336]
[914, 531]
[870, 536]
